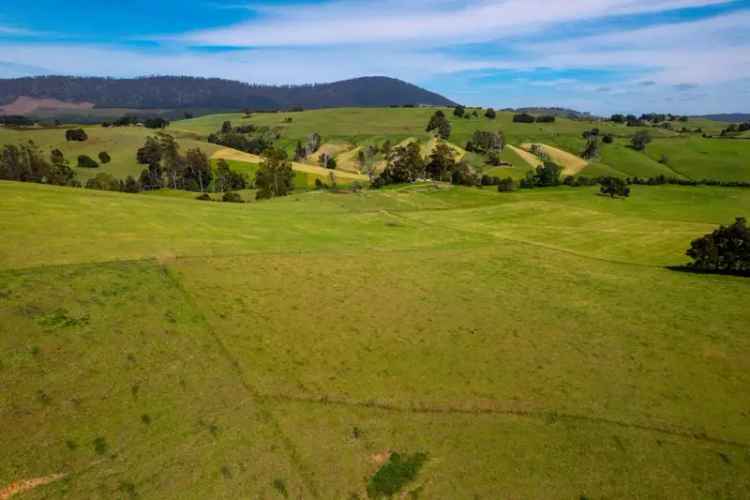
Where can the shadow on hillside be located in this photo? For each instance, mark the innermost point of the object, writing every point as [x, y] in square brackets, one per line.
[690, 270]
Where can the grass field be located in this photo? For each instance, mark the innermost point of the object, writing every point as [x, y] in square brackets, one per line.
[532, 344]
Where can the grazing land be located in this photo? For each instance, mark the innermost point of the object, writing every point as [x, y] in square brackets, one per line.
[517, 345]
[687, 155]
[422, 340]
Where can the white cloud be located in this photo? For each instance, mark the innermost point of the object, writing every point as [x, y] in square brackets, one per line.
[386, 22]
[707, 51]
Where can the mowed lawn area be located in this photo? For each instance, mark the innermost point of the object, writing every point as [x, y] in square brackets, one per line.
[532, 344]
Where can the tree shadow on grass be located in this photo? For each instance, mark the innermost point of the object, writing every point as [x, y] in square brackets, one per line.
[692, 270]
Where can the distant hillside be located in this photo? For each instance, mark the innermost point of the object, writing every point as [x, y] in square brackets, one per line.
[168, 92]
[728, 117]
[559, 112]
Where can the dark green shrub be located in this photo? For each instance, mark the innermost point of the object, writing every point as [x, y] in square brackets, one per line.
[280, 486]
[395, 474]
[104, 157]
[87, 162]
[100, 446]
[77, 134]
[203, 197]
[727, 249]
[231, 197]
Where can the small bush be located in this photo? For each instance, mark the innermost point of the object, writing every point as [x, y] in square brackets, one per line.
[100, 446]
[280, 486]
[203, 197]
[104, 157]
[87, 162]
[395, 474]
[77, 134]
[232, 197]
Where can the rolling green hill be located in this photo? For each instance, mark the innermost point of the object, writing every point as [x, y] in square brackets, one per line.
[690, 155]
[346, 129]
[531, 344]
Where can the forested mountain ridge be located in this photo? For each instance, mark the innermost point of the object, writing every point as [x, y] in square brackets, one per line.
[179, 92]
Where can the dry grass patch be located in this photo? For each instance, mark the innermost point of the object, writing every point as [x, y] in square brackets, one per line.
[571, 163]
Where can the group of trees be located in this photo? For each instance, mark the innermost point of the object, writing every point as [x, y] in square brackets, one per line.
[107, 182]
[250, 139]
[653, 118]
[461, 112]
[275, 176]
[528, 118]
[26, 163]
[545, 175]
[406, 164]
[726, 250]
[311, 146]
[735, 129]
[16, 121]
[167, 167]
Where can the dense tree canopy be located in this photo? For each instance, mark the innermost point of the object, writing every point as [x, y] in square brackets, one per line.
[26, 163]
[77, 134]
[405, 164]
[727, 249]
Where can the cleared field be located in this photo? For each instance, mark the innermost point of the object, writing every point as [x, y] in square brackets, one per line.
[571, 163]
[700, 158]
[320, 172]
[168, 348]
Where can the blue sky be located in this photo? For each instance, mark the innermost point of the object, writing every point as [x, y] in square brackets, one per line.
[603, 56]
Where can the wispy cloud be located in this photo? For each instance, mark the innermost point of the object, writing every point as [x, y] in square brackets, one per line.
[436, 22]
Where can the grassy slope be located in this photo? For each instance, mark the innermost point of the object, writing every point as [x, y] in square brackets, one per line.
[121, 143]
[530, 343]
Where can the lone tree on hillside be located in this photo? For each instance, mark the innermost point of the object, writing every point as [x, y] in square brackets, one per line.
[459, 111]
[592, 148]
[727, 249]
[640, 139]
[438, 122]
[614, 186]
[104, 157]
[490, 113]
[226, 127]
[275, 176]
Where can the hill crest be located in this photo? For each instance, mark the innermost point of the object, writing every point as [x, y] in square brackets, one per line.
[181, 92]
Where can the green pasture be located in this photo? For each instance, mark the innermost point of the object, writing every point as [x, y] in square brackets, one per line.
[532, 344]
